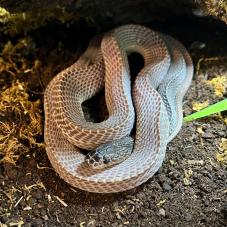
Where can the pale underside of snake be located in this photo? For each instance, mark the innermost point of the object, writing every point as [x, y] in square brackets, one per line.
[154, 100]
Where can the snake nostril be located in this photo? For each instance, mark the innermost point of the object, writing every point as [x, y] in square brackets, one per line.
[96, 164]
[96, 158]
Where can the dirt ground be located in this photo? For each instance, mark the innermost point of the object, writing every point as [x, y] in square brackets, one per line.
[188, 190]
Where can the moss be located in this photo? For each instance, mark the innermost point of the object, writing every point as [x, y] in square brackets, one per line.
[198, 106]
[26, 124]
[15, 23]
[219, 84]
[21, 122]
[221, 156]
[216, 8]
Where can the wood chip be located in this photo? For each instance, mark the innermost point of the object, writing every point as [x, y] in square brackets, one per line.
[27, 208]
[61, 201]
[161, 202]
[82, 224]
[18, 201]
[37, 185]
[18, 224]
[49, 198]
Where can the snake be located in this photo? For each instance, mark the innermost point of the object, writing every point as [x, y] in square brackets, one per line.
[152, 104]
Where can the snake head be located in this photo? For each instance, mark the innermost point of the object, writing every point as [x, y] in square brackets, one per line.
[97, 160]
[110, 153]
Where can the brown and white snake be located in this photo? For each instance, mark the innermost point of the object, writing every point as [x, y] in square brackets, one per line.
[154, 100]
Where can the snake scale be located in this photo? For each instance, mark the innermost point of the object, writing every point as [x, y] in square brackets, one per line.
[154, 100]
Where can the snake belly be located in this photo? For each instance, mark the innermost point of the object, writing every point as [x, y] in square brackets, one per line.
[154, 100]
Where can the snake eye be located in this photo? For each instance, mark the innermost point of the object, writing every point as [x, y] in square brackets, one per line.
[95, 164]
[96, 158]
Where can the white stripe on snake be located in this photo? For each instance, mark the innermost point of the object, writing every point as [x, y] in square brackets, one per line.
[117, 162]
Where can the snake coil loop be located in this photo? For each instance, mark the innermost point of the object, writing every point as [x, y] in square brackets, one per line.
[155, 98]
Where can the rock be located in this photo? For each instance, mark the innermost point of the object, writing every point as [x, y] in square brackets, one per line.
[162, 212]
[166, 187]
[188, 217]
[45, 217]
[118, 216]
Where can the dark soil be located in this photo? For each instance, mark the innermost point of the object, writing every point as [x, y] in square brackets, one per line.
[189, 189]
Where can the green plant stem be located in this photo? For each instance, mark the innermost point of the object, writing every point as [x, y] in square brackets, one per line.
[212, 109]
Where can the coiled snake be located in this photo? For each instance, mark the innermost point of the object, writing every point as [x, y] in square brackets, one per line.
[154, 100]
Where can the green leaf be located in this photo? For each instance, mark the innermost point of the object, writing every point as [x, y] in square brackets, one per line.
[212, 109]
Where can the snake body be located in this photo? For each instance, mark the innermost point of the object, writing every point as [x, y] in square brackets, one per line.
[154, 100]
